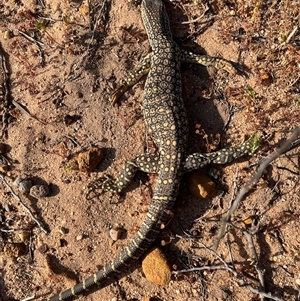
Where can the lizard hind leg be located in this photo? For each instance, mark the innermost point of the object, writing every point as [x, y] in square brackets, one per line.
[145, 162]
[222, 156]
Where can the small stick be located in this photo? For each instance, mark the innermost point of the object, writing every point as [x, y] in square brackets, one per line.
[203, 268]
[30, 38]
[72, 140]
[230, 252]
[31, 247]
[293, 32]
[23, 205]
[5, 95]
[27, 113]
[198, 18]
[260, 273]
[7, 231]
[28, 298]
[41, 3]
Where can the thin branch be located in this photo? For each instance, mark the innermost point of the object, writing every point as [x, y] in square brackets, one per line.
[260, 273]
[26, 112]
[7, 231]
[28, 298]
[23, 205]
[203, 268]
[198, 18]
[4, 93]
[289, 170]
[289, 37]
[230, 252]
[26, 36]
[42, 4]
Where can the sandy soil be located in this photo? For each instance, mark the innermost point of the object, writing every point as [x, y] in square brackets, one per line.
[78, 54]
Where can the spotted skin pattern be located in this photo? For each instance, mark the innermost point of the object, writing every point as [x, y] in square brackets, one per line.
[185, 57]
[166, 120]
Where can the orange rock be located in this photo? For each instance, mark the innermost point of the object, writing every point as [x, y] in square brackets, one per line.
[200, 185]
[156, 267]
[88, 160]
[264, 77]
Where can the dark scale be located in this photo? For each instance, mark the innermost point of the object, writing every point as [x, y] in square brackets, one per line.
[165, 118]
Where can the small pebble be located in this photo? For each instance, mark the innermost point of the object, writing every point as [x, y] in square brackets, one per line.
[115, 234]
[264, 77]
[79, 237]
[84, 9]
[17, 181]
[248, 222]
[7, 34]
[63, 230]
[43, 248]
[25, 186]
[39, 191]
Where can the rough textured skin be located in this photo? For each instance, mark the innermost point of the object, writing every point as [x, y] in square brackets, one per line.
[166, 120]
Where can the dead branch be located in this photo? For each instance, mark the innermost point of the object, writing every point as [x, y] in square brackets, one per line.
[29, 38]
[4, 94]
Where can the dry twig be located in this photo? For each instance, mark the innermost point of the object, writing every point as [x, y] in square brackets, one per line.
[260, 273]
[27, 113]
[4, 94]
